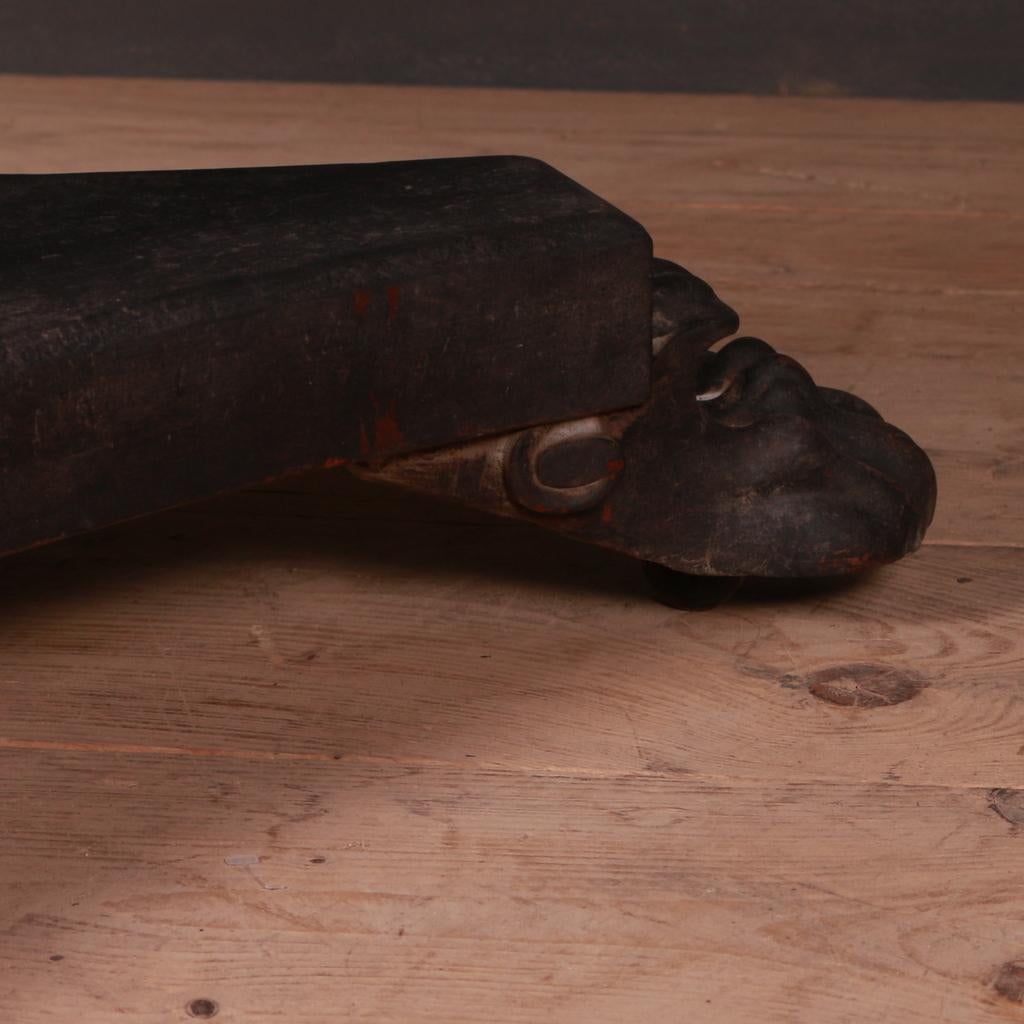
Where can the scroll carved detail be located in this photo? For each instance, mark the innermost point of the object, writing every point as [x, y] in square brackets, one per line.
[738, 464]
[563, 469]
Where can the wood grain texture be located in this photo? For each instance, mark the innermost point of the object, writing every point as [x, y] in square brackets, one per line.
[331, 753]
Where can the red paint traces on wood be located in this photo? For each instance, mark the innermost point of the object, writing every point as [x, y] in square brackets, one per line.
[361, 301]
[615, 466]
[387, 435]
[394, 297]
[844, 561]
[606, 514]
[333, 463]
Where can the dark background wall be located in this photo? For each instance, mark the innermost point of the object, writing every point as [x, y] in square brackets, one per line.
[946, 49]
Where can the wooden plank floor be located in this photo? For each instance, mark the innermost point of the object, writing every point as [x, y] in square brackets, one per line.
[320, 753]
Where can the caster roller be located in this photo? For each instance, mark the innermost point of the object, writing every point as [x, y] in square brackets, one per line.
[687, 592]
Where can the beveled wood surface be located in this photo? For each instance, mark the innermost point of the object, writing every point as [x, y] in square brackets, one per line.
[329, 753]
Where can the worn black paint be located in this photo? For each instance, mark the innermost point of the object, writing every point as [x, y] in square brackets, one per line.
[482, 329]
[165, 336]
